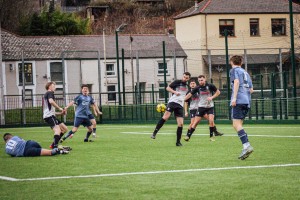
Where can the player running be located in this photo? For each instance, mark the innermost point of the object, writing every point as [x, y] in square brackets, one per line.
[83, 102]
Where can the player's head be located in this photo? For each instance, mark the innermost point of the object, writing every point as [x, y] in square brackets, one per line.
[236, 60]
[186, 76]
[193, 83]
[50, 86]
[85, 89]
[202, 80]
[7, 137]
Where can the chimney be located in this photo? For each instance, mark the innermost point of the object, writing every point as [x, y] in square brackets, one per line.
[196, 4]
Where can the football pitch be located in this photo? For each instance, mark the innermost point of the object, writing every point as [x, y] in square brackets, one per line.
[125, 163]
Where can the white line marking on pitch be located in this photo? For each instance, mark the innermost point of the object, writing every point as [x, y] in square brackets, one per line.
[226, 135]
[150, 172]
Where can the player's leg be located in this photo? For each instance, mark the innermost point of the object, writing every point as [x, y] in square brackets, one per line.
[94, 124]
[179, 130]
[63, 130]
[211, 118]
[239, 112]
[89, 126]
[162, 121]
[70, 134]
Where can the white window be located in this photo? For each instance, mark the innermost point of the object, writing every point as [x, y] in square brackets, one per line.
[111, 90]
[161, 91]
[161, 69]
[110, 70]
[28, 73]
[254, 27]
[56, 72]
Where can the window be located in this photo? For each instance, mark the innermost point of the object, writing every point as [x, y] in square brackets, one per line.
[110, 70]
[254, 27]
[161, 91]
[226, 24]
[278, 27]
[111, 90]
[56, 72]
[27, 73]
[161, 68]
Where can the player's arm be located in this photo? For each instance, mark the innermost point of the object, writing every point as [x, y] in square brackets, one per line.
[188, 96]
[216, 94]
[186, 109]
[53, 103]
[170, 88]
[96, 109]
[70, 104]
[236, 84]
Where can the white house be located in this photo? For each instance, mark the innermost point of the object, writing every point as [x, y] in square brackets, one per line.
[76, 60]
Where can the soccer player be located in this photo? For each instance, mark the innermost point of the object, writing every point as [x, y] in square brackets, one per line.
[83, 102]
[49, 113]
[17, 147]
[207, 92]
[242, 88]
[178, 88]
[192, 103]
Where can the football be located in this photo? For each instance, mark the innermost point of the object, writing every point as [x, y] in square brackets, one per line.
[161, 108]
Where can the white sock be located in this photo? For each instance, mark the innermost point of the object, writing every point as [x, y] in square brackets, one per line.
[246, 145]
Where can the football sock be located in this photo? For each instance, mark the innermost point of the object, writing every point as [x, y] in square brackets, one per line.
[94, 130]
[211, 130]
[191, 132]
[188, 131]
[68, 135]
[179, 133]
[243, 136]
[88, 134]
[54, 151]
[56, 140]
[159, 125]
[214, 128]
[60, 136]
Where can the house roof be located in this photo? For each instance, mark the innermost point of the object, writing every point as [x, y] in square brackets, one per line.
[239, 7]
[251, 58]
[51, 47]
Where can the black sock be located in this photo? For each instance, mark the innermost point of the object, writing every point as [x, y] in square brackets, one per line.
[160, 123]
[61, 135]
[191, 132]
[179, 133]
[94, 130]
[54, 152]
[56, 140]
[188, 132]
[88, 134]
[68, 135]
[211, 131]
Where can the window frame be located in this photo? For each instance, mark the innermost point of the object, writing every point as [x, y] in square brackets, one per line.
[253, 23]
[160, 72]
[161, 90]
[279, 23]
[113, 93]
[50, 73]
[114, 71]
[230, 33]
[20, 77]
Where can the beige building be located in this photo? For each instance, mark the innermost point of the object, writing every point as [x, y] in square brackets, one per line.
[257, 29]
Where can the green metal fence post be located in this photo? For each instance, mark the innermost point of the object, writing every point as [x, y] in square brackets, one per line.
[285, 95]
[165, 71]
[262, 97]
[123, 76]
[227, 73]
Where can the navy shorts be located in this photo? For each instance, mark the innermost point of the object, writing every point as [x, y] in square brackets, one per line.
[82, 121]
[52, 121]
[203, 111]
[91, 116]
[239, 111]
[176, 108]
[193, 113]
[32, 148]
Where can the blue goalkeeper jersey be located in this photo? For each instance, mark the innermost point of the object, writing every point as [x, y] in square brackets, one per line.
[83, 106]
[15, 146]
